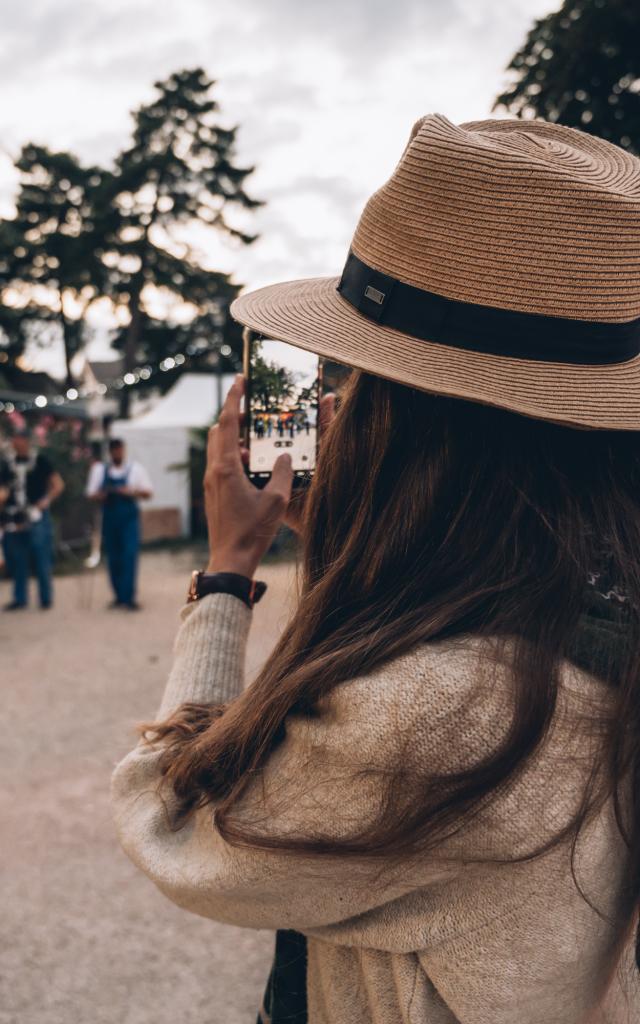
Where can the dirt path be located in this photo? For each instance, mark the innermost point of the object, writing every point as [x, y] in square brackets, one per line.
[85, 938]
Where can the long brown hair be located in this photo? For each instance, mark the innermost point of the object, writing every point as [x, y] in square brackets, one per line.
[431, 517]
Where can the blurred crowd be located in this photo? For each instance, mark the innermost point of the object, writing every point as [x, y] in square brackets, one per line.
[30, 485]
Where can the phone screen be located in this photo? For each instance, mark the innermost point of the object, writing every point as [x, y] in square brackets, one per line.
[283, 393]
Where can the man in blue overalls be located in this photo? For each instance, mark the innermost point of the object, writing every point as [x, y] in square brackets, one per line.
[119, 485]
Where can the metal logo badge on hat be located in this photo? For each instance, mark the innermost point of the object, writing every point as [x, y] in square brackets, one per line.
[499, 264]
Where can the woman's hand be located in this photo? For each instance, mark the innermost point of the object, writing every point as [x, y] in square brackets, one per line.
[242, 520]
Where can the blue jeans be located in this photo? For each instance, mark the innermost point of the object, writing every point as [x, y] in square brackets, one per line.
[27, 549]
[121, 535]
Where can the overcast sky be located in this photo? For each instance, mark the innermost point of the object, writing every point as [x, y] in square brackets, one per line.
[324, 93]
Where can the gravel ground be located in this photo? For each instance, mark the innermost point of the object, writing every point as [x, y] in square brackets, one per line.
[84, 937]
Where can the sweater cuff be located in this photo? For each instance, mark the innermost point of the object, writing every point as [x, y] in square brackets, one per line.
[209, 653]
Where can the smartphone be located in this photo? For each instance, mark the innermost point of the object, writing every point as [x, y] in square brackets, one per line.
[283, 385]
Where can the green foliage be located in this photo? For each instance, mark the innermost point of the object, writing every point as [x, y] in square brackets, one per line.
[17, 328]
[180, 166]
[271, 385]
[581, 67]
[50, 244]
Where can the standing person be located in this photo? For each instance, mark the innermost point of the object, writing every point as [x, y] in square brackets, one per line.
[119, 486]
[432, 788]
[269, 424]
[28, 486]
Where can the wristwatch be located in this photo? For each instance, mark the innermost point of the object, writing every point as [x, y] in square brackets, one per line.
[203, 583]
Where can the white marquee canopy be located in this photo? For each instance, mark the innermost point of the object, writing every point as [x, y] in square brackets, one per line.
[160, 439]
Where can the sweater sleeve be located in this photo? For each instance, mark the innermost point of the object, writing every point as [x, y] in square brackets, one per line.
[208, 665]
[310, 786]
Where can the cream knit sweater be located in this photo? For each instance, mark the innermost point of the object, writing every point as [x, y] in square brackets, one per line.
[436, 939]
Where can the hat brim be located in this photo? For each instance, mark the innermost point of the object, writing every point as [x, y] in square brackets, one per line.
[313, 315]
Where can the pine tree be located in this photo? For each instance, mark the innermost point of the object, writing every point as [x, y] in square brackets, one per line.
[271, 385]
[20, 328]
[179, 172]
[49, 262]
[581, 67]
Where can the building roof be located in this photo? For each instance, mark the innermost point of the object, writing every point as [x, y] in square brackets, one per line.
[106, 371]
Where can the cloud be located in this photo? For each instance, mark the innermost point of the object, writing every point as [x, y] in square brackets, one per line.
[41, 37]
[363, 31]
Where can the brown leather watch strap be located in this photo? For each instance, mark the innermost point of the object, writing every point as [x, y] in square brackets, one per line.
[247, 590]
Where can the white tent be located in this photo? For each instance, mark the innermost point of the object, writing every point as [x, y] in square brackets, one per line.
[160, 439]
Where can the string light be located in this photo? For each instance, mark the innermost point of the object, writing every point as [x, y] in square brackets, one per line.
[129, 379]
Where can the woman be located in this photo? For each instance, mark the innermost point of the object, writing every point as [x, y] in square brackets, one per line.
[431, 790]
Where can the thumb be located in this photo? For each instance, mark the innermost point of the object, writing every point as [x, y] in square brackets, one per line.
[281, 477]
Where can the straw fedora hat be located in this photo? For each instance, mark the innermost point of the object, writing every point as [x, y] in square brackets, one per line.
[500, 264]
